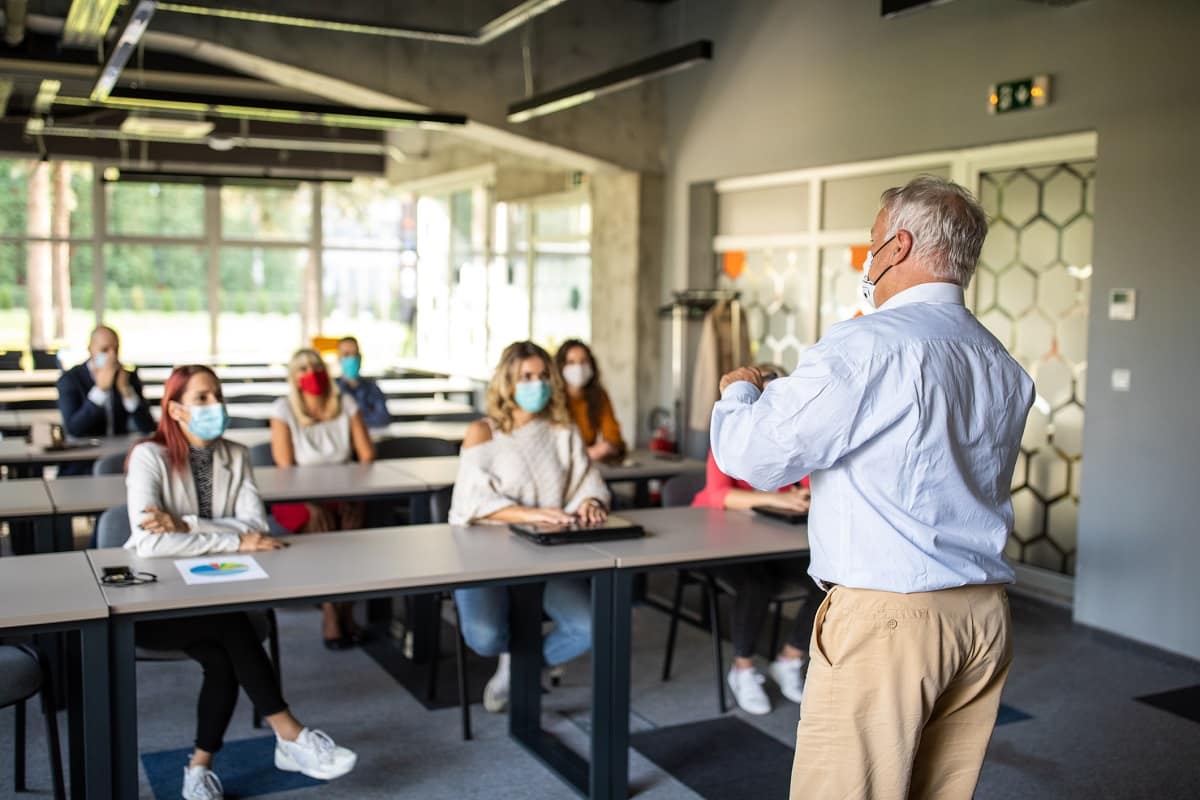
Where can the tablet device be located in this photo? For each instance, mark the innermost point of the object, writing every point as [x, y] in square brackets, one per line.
[547, 533]
[791, 517]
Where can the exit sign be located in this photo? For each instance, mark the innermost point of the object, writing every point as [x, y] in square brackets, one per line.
[1019, 95]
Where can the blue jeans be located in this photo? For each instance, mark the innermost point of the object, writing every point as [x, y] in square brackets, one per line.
[484, 615]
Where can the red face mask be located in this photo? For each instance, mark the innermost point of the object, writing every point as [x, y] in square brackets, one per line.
[315, 383]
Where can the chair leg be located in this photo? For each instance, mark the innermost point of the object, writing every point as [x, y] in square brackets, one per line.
[714, 613]
[460, 654]
[19, 747]
[676, 603]
[52, 743]
[776, 621]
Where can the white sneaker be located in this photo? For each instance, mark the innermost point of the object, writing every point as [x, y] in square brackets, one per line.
[789, 674]
[495, 693]
[314, 754]
[201, 783]
[747, 690]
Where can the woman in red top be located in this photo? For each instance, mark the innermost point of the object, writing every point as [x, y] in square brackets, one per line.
[753, 585]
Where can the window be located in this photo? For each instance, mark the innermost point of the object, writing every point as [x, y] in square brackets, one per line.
[251, 213]
[155, 209]
[261, 299]
[156, 297]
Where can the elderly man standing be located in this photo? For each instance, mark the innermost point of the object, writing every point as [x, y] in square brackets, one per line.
[909, 421]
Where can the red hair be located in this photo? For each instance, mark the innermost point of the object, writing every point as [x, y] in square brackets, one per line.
[170, 433]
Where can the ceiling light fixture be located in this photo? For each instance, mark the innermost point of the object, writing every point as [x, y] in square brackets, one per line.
[273, 110]
[139, 20]
[614, 80]
[166, 127]
[114, 175]
[88, 21]
[499, 26]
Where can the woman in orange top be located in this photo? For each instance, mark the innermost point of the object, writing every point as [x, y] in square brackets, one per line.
[589, 404]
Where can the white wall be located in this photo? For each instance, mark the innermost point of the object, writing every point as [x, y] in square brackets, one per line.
[799, 83]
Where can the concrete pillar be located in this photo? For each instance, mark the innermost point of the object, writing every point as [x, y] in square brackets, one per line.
[626, 275]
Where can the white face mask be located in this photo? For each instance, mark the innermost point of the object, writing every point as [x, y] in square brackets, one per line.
[577, 375]
[867, 286]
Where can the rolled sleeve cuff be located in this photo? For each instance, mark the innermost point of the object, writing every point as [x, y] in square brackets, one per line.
[131, 403]
[742, 392]
[98, 396]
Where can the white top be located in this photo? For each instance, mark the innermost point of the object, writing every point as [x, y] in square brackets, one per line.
[236, 505]
[538, 465]
[910, 422]
[325, 442]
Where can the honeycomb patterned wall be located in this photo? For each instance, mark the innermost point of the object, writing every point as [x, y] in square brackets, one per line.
[1032, 289]
[776, 294]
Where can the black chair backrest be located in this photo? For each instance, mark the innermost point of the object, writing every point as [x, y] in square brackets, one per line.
[414, 447]
[681, 490]
[466, 416]
[111, 464]
[45, 359]
[233, 400]
[10, 359]
[248, 422]
[260, 455]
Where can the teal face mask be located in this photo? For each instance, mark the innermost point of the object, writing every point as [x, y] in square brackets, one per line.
[351, 365]
[533, 395]
[208, 422]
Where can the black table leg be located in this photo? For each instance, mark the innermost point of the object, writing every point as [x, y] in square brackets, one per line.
[122, 657]
[91, 771]
[618, 683]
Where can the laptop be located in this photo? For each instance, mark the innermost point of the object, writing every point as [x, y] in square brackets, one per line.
[790, 517]
[547, 533]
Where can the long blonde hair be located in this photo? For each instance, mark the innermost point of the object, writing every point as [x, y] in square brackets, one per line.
[331, 403]
[501, 402]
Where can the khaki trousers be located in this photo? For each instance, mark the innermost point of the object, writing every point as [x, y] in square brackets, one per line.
[902, 693]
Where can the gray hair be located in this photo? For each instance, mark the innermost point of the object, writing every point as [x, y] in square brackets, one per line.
[947, 224]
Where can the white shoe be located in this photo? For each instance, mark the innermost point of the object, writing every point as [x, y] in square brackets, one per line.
[788, 673]
[747, 690]
[495, 693]
[201, 783]
[314, 754]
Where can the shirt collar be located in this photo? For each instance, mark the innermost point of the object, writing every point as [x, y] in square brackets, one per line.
[932, 292]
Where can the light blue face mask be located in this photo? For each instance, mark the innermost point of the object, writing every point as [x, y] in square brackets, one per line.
[208, 422]
[533, 395]
[351, 366]
[100, 360]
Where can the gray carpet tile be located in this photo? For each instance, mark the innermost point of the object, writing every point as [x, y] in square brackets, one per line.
[1088, 737]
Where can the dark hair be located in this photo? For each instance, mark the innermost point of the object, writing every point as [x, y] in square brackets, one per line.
[593, 390]
[170, 433]
[349, 339]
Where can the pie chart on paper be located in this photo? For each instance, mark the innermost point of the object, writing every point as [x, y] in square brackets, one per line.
[219, 568]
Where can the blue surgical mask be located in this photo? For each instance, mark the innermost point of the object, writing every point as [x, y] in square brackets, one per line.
[100, 360]
[351, 366]
[208, 422]
[533, 395]
[868, 285]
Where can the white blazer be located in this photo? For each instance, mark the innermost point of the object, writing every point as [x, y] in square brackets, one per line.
[236, 506]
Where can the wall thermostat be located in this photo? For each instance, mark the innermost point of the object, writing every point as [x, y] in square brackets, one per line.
[1122, 304]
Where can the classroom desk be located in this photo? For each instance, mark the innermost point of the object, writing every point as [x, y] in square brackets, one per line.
[37, 377]
[357, 565]
[440, 471]
[677, 538]
[46, 594]
[26, 502]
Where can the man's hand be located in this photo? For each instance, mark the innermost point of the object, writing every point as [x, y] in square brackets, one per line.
[748, 374]
[159, 521]
[106, 375]
[122, 382]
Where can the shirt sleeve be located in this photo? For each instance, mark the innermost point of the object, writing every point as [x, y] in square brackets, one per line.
[799, 424]
[374, 406]
[98, 396]
[143, 486]
[131, 403]
[476, 494]
[716, 485]
[281, 410]
[584, 482]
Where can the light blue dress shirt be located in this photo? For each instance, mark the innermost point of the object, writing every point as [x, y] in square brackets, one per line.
[909, 421]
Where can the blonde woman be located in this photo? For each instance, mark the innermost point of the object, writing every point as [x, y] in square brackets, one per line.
[317, 424]
[525, 462]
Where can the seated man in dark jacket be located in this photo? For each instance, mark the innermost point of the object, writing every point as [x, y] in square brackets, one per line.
[371, 402]
[99, 397]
